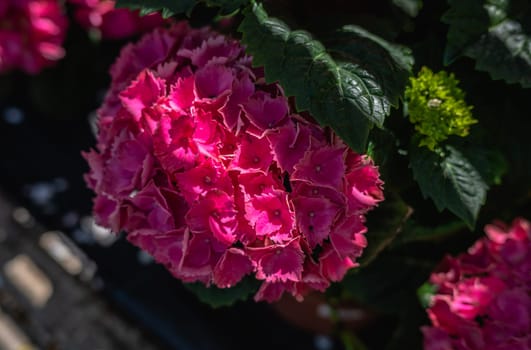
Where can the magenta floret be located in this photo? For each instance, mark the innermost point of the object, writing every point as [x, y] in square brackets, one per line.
[212, 172]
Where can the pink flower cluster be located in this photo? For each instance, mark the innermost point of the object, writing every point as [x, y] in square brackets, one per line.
[31, 34]
[483, 296]
[113, 23]
[211, 171]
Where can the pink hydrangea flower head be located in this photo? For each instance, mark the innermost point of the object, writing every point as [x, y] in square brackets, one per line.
[212, 172]
[483, 297]
[111, 22]
[31, 34]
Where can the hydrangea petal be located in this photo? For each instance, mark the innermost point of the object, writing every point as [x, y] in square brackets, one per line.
[106, 213]
[151, 210]
[182, 93]
[264, 111]
[312, 279]
[278, 262]
[242, 89]
[207, 135]
[333, 266]
[122, 174]
[305, 189]
[315, 217]
[270, 216]
[197, 181]
[271, 291]
[166, 248]
[214, 213]
[324, 166]
[213, 81]
[253, 155]
[173, 145]
[216, 49]
[364, 187]
[142, 93]
[255, 184]
[348, 237]
[231, 268]
[289, 142]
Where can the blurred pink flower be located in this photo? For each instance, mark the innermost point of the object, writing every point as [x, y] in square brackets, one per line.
[483, 296]
[31, 34]
[111, 22]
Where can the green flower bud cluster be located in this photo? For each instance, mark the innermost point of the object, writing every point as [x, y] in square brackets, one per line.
[437, 108]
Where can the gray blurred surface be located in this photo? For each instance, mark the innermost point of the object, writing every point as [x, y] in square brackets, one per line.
[47, 293]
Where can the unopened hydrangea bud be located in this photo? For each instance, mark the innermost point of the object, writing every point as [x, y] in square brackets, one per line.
[437, 108]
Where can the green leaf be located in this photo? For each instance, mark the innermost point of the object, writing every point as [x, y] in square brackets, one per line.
[491, 164]
[382, 148]
[414, 232]
[468, 21]
[389, 286]
[410, 7]
[385, 284]
[342, 95]
[406, 335]
[227, 6]
[389, 64]
[168, 7]
[175, 7]
[384, 224]
[495, 33]
[425, 292]
[217, 297]
[451, 180]
[351, 341]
